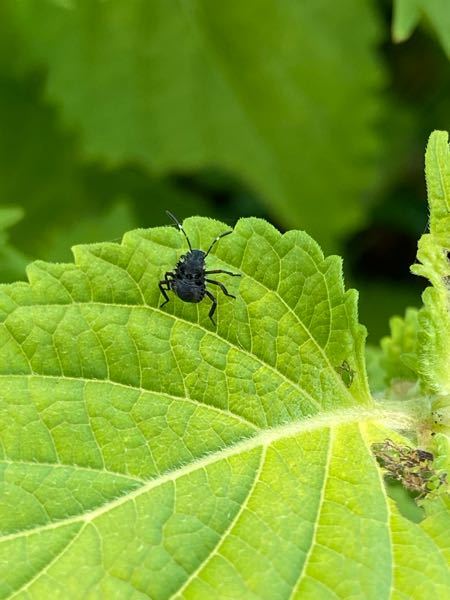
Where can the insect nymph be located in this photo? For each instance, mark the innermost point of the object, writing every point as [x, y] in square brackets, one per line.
[189, 278]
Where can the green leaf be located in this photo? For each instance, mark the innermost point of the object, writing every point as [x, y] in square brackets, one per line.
[375, 372]
[9, 216]
[405, 19]
[418, 348]
[277, 101]
[408, 13]
[66, 199]
[399, 350]
[148, 453]
[12, 262]
[107, 226]
[433, 338]
[379, 299]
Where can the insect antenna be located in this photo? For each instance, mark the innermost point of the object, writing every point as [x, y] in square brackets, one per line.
[180, 227]
[215, 240]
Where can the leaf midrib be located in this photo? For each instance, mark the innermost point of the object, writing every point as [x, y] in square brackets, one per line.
[262, 439]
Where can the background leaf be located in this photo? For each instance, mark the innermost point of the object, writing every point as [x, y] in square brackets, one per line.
[400, 349]
[158, 455]
[67, 199]
[408, 13]
[12, 262]
[405, 18]
[202, 86]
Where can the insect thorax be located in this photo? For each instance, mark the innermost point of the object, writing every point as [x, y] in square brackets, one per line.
[191, 265]
[188, 282]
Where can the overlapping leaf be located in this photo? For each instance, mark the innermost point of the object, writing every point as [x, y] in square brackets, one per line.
[147, 453]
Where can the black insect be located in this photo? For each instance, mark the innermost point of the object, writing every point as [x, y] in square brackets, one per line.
[189, 278]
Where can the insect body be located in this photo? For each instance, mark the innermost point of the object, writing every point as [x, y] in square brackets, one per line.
[189, 278]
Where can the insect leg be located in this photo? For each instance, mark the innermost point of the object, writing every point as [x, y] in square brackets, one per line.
[165, 282]
[222, 287]
[222, 271]
[164, 292]
[213, 306]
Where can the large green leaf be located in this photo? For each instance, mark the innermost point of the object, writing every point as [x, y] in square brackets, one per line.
[148, 453]
[280, 95]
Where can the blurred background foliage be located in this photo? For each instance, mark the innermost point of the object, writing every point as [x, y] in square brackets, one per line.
[305, 112]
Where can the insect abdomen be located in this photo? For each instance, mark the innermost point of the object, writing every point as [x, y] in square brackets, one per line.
[188, 291]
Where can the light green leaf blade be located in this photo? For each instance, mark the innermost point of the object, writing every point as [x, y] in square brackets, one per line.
[272, 100]
[9, 216]
[405, 19]
[12, 262]
[160, 456]
[408, 13]
[399, 359]
[375, 372]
